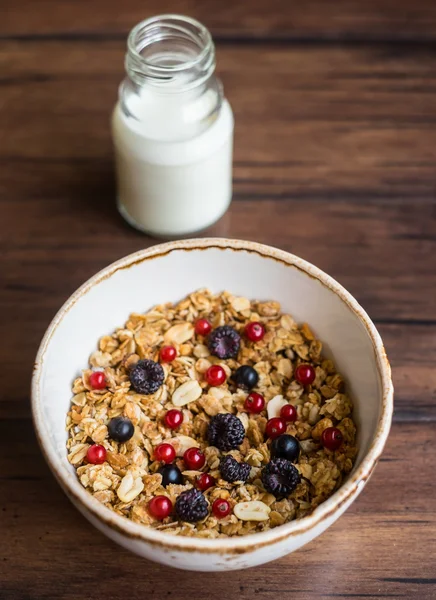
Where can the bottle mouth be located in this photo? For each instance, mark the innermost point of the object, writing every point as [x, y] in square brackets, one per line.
[170, 51]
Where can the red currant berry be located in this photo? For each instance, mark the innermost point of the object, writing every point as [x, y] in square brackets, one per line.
[160, 507]
[165, 453]
[96, 454]
[203, 327]
[275, 427]
[194, 458]
[254, 402]
[305, 374]
[288, 413]
[254, 331]
[167, 354]
[332, 438]
[174, 418]
[215, 375]
[221, 508]
[97, 379]
[205, 481]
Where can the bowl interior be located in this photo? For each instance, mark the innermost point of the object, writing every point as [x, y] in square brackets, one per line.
[105, 303]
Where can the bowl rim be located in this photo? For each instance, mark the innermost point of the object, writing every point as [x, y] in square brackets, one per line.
[162, 540]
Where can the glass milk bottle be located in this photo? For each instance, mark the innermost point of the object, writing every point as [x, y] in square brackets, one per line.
[172, 130]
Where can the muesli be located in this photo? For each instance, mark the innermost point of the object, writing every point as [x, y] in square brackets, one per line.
[216, 416]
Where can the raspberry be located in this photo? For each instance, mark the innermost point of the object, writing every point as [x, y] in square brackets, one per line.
[231, 470]
[191, 506]
[226, 432]
[146, 376]
[224, 342]
[280, 477]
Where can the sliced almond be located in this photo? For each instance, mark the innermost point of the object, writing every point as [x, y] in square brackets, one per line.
[275, 405]
[179, 334]
[130, 487]
[252, 511]
[186, 393]
[181, 443]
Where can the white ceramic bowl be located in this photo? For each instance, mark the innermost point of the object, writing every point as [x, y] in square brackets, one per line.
[167, 273]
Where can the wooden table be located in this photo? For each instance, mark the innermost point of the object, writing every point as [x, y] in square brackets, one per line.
[335, 106]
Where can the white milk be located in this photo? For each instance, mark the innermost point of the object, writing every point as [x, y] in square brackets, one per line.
[173, 150]
[172, 188]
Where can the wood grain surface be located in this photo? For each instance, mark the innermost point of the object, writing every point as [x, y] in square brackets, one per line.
[335, 160]
[314, 20]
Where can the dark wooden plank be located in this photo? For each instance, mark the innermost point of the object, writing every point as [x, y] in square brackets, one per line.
[383, 253]
[335, 157]
[349, 123]
[48, 548]
[345, 19]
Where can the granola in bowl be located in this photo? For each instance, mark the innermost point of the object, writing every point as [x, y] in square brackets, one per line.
[217, 416]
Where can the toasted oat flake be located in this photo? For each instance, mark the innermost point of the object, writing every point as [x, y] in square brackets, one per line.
[130, 477]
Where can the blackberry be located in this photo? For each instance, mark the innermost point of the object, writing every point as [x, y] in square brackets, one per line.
[280, 477]
[231, 470]
[146, 376]
[191, 506]
[224, 342]
[226, 432]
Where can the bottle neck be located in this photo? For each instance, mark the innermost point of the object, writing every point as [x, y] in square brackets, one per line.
[171, 92]
[170, 53]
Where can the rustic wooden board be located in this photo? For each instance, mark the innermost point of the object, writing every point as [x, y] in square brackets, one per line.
[350, 122]
[335, 157]
[348, 161]
[282, 19]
